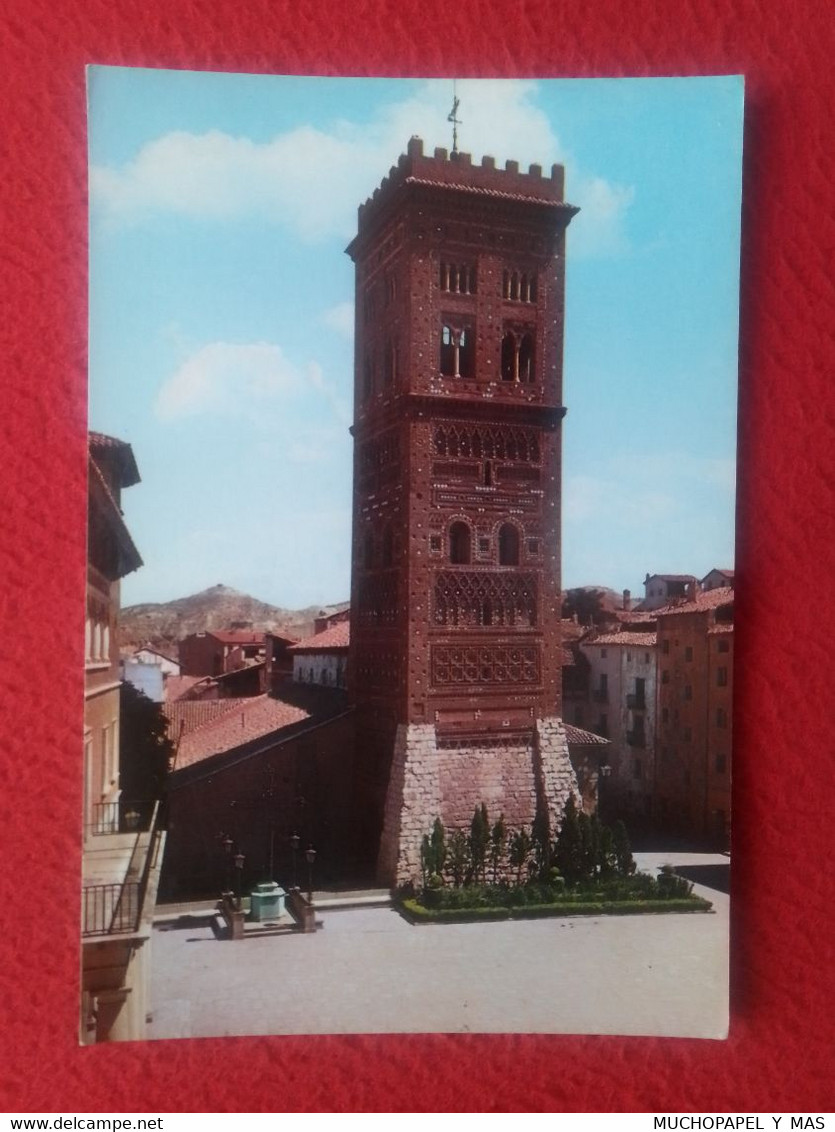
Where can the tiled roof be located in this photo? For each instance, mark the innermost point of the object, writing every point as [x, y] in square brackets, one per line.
[98, 442]
[237, 636]
[255, 718]
[480, 190]
[185, 716]
[177, 686]
[334, 637]
[673, 577]
[706, 600]
[636, 640]
[577, 736]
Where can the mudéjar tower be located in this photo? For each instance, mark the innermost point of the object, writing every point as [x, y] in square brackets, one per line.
[455, 627]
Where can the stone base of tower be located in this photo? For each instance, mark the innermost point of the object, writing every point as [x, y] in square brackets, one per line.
[525, 778]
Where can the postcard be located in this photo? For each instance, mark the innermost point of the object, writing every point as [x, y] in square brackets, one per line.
[410, 591]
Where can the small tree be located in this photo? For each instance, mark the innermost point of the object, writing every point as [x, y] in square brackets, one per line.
[437, 848]
[498, 842]
[606, 860]
[479, 840]
[568, 850]
[520, 849]
[624, 861]
[458, 857]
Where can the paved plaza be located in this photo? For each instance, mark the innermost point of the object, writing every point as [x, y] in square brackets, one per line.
[369, 971]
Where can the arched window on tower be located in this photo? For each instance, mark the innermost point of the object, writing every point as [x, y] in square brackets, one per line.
[526, 371]
[457, 351]
[509, 356]
[508, 545]
[460, 544]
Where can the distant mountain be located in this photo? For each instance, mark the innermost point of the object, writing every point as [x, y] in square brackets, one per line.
[163, 624]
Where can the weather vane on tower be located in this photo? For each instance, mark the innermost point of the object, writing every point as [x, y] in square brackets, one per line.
[453, 117]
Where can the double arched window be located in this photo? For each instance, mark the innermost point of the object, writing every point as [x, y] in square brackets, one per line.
[518, 356]
[457, 351]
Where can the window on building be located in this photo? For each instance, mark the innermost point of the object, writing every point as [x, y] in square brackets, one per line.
[665, 647]
[721, 677]
[629, 657]
[688, 734]
[533, 546]
[508, 545]
[688, 691]
[665, 715]
[688, 653]
[517, 362]
[722, 645]
[460, 548]
[390, 373]
[458, 279]
[603, 654]
[603, 726]
[721, 763]
[457, 351]
[435, 543]
[721, 717]
[665, 676]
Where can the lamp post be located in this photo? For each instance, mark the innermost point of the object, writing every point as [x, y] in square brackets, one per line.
[227, 843]
[239, 868]
[294, 845]
[310, 856]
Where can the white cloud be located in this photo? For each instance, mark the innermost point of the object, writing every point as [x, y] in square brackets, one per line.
[340, 318]
[312, 179]
[226, 377]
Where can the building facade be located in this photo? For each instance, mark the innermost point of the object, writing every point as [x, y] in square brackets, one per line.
[455, 639]
[122, 843]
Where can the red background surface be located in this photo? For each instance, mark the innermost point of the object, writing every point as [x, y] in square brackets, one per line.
[779, 1055]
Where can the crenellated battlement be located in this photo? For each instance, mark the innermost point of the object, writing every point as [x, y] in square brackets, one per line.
[457, 171]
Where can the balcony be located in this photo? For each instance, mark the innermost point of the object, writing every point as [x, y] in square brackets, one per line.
[111, 909]
[600, 695]
[635, 701]
[636, 738]
[121, 869]
[121, 817]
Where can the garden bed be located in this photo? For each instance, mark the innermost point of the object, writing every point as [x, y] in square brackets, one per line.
[416, 913]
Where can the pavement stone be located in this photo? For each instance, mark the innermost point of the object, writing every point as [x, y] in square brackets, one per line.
[369, 971]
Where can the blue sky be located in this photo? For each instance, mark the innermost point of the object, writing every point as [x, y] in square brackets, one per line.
[221, 311]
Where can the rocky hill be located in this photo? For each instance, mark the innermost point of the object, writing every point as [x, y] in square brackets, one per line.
[219, 607]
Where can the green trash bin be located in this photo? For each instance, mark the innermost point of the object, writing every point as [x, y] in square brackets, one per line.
[267, 902]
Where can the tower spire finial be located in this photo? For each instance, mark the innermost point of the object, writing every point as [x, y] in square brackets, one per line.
[453, 117]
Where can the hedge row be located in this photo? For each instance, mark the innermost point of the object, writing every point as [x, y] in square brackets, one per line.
[417, 913]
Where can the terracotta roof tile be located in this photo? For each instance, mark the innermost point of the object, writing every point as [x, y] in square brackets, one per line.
[636, 640]
[576, 735]
[334, 637]
[708, 599]
[254, 718]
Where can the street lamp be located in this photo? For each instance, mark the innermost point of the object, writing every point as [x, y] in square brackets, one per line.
[310, 856]
[239, 868]
[227, 844]
[294, 845]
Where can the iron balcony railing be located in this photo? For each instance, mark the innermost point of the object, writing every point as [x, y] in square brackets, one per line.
[111, 909]
[121, 817]
[115, 908]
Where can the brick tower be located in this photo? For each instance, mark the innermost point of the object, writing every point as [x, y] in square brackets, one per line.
[455, 640]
